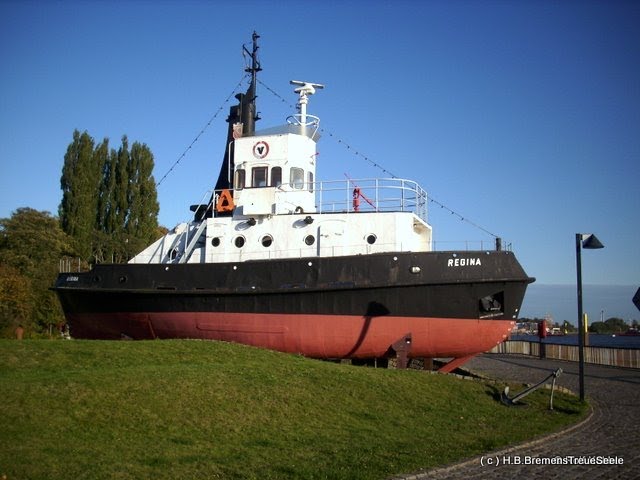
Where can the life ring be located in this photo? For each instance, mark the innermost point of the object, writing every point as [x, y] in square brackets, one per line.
[225, 202]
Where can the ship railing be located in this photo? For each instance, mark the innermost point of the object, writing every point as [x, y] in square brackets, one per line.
[72, 265]
[468, 245]
[293, 125]
[371, 194]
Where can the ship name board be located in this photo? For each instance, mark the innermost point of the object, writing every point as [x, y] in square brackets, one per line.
[464, 262]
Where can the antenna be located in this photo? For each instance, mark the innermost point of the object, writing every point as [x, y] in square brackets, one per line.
[305, 89]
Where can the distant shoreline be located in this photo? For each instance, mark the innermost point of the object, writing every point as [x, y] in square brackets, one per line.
[595, 340]
[560, 302]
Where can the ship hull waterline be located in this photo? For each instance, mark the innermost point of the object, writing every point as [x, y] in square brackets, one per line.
[306, 306]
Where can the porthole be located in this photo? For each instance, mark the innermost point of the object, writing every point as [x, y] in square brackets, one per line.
[239, 241]
[371, 239]
[266, 241]
[309, 240]
[215, 241]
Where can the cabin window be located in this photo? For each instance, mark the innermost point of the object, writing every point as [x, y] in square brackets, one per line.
[259, 177]
[266, 241]
[276, 176]
[239, 241]
[311, 181]
[240, 178]
[215, 241]
[371, 239]
[296, 178]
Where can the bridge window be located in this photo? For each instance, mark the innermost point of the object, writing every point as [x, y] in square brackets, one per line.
[259, 177]
[311, 181]
[240, 178]
[276, 176]
[296, 178]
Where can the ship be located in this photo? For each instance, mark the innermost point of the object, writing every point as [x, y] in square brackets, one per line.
[276, 259]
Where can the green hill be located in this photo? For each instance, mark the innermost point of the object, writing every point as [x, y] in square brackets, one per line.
[198, 409]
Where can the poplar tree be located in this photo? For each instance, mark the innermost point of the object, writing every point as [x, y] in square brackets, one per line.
[102, 239]
[142, 224]
[109, 205]
[120, 194]
[120, 204]
[81, 177]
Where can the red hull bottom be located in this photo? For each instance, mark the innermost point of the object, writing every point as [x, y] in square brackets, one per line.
[317, 336]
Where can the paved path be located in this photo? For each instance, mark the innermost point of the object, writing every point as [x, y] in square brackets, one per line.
[612, 432]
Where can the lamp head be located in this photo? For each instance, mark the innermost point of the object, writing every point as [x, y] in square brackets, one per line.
[590, 241]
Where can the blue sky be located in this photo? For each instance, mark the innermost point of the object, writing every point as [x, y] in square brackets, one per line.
[521, 116]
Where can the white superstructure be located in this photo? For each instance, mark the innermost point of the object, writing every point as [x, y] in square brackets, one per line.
[277, 209]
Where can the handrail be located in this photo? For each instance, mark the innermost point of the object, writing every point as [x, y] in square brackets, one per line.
[382, 194]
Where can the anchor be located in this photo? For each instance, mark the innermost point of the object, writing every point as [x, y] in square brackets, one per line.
[512, 401]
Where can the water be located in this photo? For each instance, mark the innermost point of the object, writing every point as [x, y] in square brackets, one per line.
[595, 340]
[560, 302]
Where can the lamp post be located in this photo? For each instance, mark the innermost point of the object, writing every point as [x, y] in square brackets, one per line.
[588, 241]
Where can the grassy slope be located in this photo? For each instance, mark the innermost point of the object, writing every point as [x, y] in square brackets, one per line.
[194, 409]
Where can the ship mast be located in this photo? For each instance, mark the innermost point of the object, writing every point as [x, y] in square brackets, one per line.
[242, 117]
[249, 115]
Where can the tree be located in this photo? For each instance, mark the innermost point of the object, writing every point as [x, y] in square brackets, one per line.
[101, 239]
[81, 177]
[109, 204]
[121, 201]
[142, 219]
[616, 325]
[31, 245]
[611, 325]
[16, 301]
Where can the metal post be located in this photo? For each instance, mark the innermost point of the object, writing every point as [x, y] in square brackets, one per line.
[580, 326]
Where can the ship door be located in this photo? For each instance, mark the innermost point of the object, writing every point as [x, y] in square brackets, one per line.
[331, 238]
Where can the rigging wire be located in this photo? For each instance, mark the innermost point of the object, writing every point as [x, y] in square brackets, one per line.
[208, 124]
[380, 167]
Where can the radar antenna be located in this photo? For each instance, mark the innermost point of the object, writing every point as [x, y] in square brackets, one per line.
[305, 89]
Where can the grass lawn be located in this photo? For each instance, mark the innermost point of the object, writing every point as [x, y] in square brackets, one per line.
[197, 409]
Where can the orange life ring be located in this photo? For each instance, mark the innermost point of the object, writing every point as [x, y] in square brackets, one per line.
[225, 202]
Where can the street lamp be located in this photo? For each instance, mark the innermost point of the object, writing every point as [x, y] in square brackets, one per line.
[588, 241]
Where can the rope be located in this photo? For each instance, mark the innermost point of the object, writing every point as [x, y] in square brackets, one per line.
[380, 167]
[208, 124]
[452, 212]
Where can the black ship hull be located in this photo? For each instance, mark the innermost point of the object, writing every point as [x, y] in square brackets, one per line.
[451, 304]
